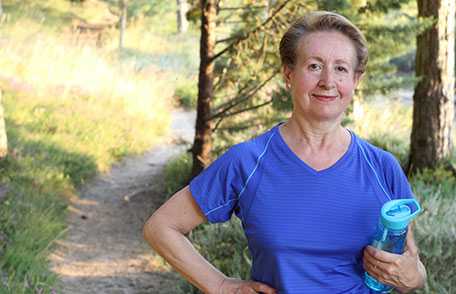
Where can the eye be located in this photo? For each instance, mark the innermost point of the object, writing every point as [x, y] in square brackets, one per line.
[314, 66]
[341, 69]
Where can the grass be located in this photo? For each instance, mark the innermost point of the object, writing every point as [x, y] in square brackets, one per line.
[72, 110]
[55, 147]
[435, 231]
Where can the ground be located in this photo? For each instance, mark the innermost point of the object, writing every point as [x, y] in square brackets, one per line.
[103, 250]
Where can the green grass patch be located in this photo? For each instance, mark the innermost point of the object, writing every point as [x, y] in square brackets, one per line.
[436, 228]
[72, 110]
[55, 146]
[177, 172]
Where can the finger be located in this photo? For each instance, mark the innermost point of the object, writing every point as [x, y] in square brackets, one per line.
[246, 290]
[377, 272]
[371, 267]
[260, 287]
[371, 259]
[381, 255]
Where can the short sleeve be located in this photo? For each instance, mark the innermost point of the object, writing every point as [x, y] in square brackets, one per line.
[215, 189]
[395, 178]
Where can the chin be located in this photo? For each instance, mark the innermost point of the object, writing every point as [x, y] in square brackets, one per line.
[329, 117]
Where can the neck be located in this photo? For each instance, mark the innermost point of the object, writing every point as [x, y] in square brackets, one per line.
[318, 136]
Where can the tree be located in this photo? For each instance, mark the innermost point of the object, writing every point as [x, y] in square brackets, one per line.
[122, 22]
[1, 9]
[182, 22]
[3, 138]
[203, 130]
[206, 114]
[433, 100]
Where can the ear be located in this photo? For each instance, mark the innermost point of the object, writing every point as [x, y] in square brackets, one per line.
[287, 72]
[357, 78]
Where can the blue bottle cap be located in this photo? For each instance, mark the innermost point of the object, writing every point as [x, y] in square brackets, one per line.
[397, 214]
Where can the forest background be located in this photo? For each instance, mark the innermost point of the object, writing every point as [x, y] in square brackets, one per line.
[86, 83]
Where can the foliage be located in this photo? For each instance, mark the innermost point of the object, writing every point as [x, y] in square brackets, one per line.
[397, 118]
[72, 110]
[55, 147]
[177, 173]
[225, 246]
[436, 228]
[186, 94]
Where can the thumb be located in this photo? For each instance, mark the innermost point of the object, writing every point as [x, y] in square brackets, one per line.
[260, 287]
[410, 245]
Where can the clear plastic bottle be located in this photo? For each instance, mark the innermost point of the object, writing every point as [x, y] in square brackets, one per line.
[391, 233]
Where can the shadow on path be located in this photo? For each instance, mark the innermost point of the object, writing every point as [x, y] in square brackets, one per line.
[104, 250]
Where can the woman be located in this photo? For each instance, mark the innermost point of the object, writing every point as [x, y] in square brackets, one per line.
[308, 191]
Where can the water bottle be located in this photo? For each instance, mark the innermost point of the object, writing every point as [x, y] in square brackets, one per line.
[391, 233]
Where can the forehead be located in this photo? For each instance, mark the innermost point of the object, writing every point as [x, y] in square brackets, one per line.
[326, 45]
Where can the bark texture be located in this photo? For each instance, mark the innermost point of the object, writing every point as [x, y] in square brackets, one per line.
[433, 100]
[203, 130]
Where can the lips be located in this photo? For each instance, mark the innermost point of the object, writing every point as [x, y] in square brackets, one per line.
[324, 98]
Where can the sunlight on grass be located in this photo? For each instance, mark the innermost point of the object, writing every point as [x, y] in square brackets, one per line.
[51, 64]
[72, 109]
[382, 117]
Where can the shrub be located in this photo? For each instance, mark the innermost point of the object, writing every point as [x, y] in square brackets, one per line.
[186, 94]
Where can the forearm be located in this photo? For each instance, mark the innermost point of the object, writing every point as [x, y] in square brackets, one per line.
[180, 253]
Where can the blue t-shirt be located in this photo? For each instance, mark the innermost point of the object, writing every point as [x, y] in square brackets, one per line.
[306, 229]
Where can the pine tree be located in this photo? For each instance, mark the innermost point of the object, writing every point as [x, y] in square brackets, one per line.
[202, 143]
[433, 101]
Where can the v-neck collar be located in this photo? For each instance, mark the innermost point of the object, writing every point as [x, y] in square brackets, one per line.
[301, 162]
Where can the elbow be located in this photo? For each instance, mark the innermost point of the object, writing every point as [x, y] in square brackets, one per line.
[150, 230]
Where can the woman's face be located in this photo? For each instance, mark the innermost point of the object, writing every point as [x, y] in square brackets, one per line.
[323, 79]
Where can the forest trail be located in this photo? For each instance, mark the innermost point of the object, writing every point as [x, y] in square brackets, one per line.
[103, 250]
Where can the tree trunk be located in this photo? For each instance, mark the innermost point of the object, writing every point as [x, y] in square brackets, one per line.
[1, 10]
[202, 143]
[433, 100]
[3, 138]
[182, 22]
[122, 22]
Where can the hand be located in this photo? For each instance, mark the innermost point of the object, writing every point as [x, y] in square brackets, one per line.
[236, 286]
[404, 272]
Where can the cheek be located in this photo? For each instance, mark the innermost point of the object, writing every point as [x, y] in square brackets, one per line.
[346, 89]
[305, 83]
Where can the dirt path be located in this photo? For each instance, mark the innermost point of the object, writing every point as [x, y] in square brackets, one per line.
[104, 251]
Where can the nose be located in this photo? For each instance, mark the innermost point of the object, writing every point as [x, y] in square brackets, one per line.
[327, 80]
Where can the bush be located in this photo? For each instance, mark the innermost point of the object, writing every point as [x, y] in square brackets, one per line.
[436, 229]
[186, 94]
[177, 173]
[225, 246]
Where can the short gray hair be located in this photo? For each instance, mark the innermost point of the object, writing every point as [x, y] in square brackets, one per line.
[318, 21]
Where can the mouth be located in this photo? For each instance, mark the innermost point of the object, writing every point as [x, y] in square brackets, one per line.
[324, 98]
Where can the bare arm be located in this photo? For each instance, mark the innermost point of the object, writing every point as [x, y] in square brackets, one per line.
[165, 231]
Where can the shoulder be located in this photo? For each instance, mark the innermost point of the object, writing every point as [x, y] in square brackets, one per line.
[376, 155]
[252, 148]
